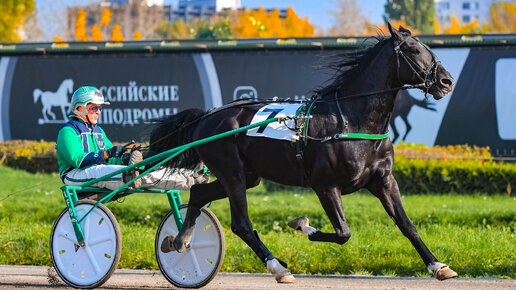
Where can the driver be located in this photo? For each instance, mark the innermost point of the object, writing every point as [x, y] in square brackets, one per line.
[84, 152]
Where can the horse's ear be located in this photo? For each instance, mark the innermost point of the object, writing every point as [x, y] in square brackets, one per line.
[394, 33]
[404, 30]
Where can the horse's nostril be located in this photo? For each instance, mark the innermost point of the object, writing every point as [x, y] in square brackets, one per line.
[446, 82]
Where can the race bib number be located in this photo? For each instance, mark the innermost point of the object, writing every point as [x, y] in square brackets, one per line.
[275, 130]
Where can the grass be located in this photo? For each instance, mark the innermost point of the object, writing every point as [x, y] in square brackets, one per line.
[474, 234]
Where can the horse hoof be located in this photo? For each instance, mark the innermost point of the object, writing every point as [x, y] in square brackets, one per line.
[168, 244]
[445, 273]
[288, 279]
[299, 223]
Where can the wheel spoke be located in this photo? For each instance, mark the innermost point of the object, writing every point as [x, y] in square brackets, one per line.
[86, 228]
[77, 256]
[178, 260]
[196, 262]
[99, 240]
[91, 257]
[206, 244]
[67, 235]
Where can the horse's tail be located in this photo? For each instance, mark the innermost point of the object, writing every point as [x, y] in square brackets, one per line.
[36, 94]
[173, 131]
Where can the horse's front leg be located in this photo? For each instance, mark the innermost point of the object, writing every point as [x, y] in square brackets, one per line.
[386, 189]
[331, 201]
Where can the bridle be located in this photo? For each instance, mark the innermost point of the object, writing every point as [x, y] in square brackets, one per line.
[427, 77]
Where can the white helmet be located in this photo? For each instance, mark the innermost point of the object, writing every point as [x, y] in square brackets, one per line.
[86, 95]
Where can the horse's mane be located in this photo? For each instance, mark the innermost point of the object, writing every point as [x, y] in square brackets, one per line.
[348, 65]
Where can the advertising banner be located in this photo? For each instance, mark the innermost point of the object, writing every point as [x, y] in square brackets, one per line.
[142, 87]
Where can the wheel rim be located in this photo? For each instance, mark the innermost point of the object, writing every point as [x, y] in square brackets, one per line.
[86, 265]
[199, 262]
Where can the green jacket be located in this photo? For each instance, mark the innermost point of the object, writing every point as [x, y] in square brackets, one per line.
[81, 145]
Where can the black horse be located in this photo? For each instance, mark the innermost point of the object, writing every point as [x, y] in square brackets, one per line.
[330, 165]
[402, 106]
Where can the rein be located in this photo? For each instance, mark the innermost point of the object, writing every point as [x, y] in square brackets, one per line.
[427, 78]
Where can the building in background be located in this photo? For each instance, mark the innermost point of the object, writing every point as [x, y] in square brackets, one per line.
[217, 5]
[147, 2]
[465, 11]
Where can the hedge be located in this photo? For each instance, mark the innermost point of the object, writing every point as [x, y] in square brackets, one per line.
[31, 156]
[417, 176]
[459, 169]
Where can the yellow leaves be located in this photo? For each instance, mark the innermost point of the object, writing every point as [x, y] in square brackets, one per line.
[466, 28]
[117, 34]
[59, 42]
[80, 26]
[96, 33]
[106, 16]
[454, 28]
[436, 27]
[13, 17]
[137, 35]
[447, 153]
[502, 18]
[260, 23]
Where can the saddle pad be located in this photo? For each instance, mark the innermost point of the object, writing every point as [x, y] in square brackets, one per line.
[275, 130]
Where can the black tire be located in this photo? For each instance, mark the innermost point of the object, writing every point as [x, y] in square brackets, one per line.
[217, 263]
[117, 246]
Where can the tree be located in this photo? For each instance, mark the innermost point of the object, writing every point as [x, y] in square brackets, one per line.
[349, 19]
[13, 14]
[117, 34]
[260, 23]
[176, 30]
[416, 13]
[502, 18]
[80, 26]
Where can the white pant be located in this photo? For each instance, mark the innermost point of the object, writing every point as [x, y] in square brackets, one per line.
[161, 178]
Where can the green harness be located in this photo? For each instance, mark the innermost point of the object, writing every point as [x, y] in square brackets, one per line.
[303, 114]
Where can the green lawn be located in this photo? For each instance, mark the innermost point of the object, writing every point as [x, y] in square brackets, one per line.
[473, 234]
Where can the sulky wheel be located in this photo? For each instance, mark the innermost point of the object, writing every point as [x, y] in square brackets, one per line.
[201, 261]
[92, 265]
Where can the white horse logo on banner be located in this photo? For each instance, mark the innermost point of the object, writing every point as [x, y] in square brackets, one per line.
[53, 99]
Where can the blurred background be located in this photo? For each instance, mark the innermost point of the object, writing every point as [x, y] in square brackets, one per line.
[102, 20]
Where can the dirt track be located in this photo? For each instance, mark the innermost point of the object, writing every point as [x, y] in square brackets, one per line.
[37, 277]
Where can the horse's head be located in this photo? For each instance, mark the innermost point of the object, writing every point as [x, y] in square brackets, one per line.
[68, 85]
[418, 65]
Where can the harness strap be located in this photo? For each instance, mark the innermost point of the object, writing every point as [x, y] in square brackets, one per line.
[361, 136]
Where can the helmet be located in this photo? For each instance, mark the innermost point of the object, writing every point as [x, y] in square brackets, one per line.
[86, 95]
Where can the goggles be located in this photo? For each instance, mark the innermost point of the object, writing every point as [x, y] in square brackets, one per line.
[94, 109]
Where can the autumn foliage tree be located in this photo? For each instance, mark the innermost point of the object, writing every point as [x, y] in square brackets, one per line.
[12, 18]
[260, 23]
[96, 30]
[502, 18]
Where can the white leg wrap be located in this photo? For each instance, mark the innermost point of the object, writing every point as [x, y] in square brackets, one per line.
[281, 273]
[436, 266]
[308, 230]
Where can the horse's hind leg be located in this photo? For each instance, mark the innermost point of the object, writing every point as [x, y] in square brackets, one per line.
[386, 189]
[200, 195]
[331, 201]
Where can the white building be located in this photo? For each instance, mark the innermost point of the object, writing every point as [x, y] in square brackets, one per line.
[465, 11]
[147, 2]
[218, 5]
